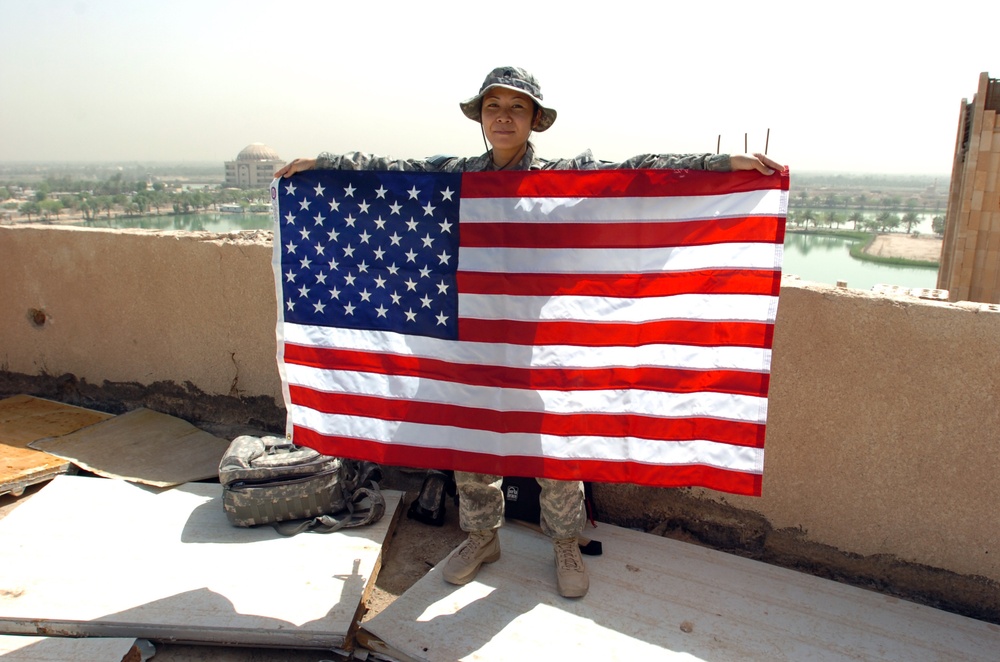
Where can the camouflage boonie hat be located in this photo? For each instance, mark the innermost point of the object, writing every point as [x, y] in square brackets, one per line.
[512, 78]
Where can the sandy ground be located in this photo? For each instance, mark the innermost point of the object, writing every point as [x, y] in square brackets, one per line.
[907, 246]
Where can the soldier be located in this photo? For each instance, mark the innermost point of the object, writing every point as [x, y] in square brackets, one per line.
[508, 109]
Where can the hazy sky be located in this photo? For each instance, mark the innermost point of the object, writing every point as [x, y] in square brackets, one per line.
[872, 86]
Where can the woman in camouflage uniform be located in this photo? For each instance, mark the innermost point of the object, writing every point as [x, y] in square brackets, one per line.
[508, 108]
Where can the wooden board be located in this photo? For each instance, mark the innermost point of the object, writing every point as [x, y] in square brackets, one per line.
[143, 446]
[90, 556]
[56, 649]
[24, 419]
[656, 598]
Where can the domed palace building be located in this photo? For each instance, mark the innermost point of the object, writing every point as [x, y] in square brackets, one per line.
[253, 168]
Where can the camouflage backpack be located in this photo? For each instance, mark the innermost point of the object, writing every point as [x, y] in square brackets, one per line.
[266, 480]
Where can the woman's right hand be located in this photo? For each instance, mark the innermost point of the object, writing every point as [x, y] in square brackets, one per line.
[294, 166]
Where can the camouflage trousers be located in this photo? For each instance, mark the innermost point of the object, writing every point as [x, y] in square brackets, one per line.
[481, 504]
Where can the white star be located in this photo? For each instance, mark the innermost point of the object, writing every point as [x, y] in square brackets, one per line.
[290, 247]
[349, 220]
[442, 319]
[395, 298]
[349, 309]
[411, 316]
[447, 193]
[380, 282]
[363, 267]
[290, 276]
[304, 233]
[413, 193]
[381, 191]
[364, 207]
[290, 189]
[349, 279]
[442, 288]
[427, 240]
[411, 225]
[395, 239]
[366, 295]
[394, 208]
[290, 304]
[290, 218]
[335, 293]
[393, 269]
[445, 226]
[411, 285]
[428, 210]
[364, 237]
[319, 307]
[305, 262]
[425, 272]
[379, 223]
[321, 278]
[425, 302]
[379, 253]
[348, 251]
[411, 256]
[303, 292]
[304, 204]
[319, 190]
[320, 248]
[349, 191]
[334, 205]
[319, 218]
[333, 264]
[444, 257]
[333, 234]
[381, 310]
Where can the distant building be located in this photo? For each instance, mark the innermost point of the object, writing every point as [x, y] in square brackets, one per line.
[970, 254]
[253, 168]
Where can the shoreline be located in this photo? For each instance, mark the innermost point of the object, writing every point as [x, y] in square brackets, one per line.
[921, 248]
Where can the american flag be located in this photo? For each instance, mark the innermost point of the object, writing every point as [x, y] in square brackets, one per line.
[611, 325]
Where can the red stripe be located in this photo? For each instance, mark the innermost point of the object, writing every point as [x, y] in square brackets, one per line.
[615, 183]
[612, 425]
[666, 380]
[723, 480]
[600, 334]
[511, 234]
[632, 286]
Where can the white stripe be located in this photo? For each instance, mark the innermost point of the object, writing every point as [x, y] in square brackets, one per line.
[615, 449]
[701, 307]
[603, 210]
[751, 255]
[658, 404]
[543, 356]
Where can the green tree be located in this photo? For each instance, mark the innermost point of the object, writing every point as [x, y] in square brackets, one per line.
[809, 215]
[910, 219]
[29, 209]
[857, 218]
[937, 224]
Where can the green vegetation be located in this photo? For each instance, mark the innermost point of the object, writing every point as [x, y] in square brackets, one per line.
[56, 194]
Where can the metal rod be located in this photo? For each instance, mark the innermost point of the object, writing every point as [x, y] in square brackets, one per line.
[767, 140]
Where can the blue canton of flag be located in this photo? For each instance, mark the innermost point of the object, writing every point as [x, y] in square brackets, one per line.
[378, 252]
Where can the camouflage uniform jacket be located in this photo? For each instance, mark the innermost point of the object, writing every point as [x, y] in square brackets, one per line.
[584, 161]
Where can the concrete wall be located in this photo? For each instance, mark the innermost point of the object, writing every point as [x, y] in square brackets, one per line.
[882, 434]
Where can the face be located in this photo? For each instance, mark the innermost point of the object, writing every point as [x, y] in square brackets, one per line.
[508, 118]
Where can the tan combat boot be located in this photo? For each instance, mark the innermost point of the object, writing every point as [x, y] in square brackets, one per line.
[479, 548]
[571, 574]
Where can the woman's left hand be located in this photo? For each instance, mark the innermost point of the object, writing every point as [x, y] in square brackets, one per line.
[759, 162]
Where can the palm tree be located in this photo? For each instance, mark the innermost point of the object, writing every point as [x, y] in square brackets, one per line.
[809, 215]
[909, 219]
[856, 218]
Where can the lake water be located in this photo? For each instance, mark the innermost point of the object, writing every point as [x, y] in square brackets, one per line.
[811, 257]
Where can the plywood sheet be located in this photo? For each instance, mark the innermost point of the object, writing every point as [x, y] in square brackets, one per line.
[25, 418]
[656, 598]
[90, 556]
[55, 649]
[144, 446]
